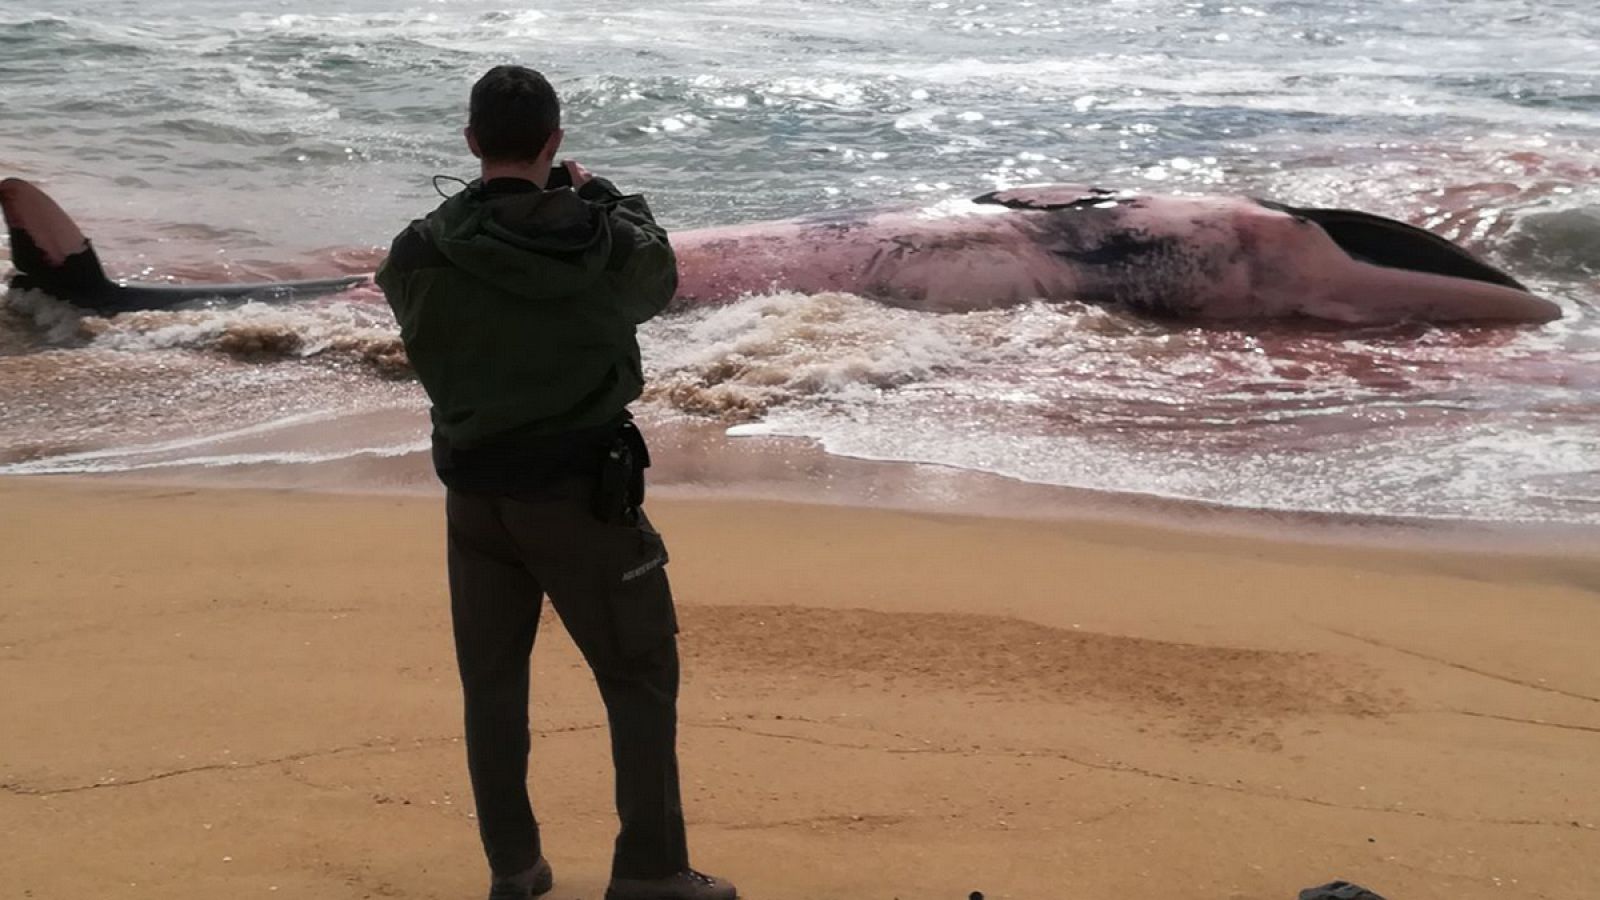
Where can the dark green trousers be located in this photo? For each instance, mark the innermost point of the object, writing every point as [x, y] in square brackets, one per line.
[608, 584]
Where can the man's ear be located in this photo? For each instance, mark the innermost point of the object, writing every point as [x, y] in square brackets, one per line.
[472, 142]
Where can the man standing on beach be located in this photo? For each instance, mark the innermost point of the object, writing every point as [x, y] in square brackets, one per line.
[518, 300]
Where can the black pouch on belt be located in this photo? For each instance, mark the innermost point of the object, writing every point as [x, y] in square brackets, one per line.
[620, 492]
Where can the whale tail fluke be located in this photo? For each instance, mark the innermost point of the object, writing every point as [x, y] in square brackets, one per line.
[48, 250]
[51, 254]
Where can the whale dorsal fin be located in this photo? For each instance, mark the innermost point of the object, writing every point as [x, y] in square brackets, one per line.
[1047, 197]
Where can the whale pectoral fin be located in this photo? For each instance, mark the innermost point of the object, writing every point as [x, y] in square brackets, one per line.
[1047, 197]
[1367, 293]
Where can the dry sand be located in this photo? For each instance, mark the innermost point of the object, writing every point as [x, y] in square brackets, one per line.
[211, 693]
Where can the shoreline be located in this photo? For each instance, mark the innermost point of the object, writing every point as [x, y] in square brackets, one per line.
[1488, 554]
[697, 461]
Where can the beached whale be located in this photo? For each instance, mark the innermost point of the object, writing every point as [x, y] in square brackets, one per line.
[1178, 257]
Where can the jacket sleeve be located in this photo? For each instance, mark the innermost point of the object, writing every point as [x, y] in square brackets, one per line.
[410, 253]
[390, 281]
[392, 273]
[642, 261]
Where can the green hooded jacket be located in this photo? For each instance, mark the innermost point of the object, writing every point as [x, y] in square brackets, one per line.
[518, 306]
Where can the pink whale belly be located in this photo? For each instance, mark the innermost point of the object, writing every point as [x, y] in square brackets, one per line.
[1187, 261]
[1208, 258]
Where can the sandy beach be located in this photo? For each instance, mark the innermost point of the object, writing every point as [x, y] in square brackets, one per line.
[251, 694]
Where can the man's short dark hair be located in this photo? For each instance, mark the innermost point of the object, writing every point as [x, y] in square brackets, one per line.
[514, 111]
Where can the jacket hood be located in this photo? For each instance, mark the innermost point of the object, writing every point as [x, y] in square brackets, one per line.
[528, 242]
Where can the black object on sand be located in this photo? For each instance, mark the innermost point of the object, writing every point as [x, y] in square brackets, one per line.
[1338, 890]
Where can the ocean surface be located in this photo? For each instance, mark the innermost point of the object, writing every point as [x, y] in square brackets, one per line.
[199, 139]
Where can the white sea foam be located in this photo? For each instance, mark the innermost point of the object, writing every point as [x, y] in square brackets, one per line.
[136, 459]
[59, 323]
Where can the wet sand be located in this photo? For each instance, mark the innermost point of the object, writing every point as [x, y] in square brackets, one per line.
[250, 693]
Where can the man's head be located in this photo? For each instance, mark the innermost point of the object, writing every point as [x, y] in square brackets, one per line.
[514, 119]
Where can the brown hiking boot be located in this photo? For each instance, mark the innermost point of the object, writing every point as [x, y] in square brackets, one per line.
[686, 885]
[525, 885]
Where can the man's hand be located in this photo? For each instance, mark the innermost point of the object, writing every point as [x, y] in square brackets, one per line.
[576, 173]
